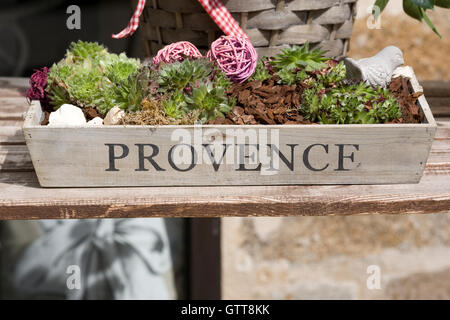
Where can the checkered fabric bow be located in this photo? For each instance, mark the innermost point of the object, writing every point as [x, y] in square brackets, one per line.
[216, 10]
[222, 17]
[133, 24]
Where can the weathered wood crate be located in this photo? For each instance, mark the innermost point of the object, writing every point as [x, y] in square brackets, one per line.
[229, 155]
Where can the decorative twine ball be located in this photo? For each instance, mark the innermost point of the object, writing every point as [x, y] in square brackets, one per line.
[235, 56]
[177, 51]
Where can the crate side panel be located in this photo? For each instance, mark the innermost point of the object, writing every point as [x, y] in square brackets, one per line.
[142, 156]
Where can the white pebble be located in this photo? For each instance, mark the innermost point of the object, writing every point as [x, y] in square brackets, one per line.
[97, 121]
[67, 115]
[113, 116]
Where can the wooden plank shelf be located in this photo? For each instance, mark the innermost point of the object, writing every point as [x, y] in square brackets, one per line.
[21, 197]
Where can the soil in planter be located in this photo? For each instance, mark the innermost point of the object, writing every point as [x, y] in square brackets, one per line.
[264, 103]
[91, 113]
[268, 103]
[411, 112]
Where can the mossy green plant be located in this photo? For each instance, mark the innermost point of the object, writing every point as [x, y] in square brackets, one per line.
[299, 58]
[261, 72]
[292, 65]
[181, 74]
[193, 86]
[349, 104]
[90, 76]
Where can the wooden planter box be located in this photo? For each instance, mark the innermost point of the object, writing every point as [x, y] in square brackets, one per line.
[287, 155]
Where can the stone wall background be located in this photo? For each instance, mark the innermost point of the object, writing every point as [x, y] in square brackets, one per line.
[328, 257]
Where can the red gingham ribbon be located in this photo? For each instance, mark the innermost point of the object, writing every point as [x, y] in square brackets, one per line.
[215, 8]
[222, 17]
[133, 24]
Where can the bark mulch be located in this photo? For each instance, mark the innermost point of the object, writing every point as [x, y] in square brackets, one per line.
[264, 103]
[411, 112]
[269, 103]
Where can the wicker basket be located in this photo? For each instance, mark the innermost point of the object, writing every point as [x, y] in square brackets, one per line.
[270, 24]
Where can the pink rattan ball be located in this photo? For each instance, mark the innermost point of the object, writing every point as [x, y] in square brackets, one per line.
[176, 52]
[236, 57]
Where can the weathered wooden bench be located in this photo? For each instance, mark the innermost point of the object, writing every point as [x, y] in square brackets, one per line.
[21, 197]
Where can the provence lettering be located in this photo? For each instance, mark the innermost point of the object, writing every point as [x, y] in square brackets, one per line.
[149, 156]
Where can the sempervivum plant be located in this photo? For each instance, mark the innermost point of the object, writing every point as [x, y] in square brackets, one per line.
[299, 57]
[193, 87]
[90, 76]
[292, 65]
[181, 74]
[349, 104]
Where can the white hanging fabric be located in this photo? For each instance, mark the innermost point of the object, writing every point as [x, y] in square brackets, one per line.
[116, 259]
